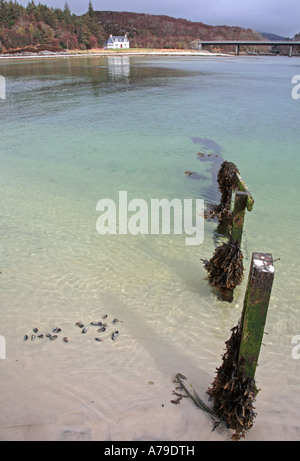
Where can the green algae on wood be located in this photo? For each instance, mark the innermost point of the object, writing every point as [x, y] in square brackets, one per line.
[234, 390]
[255, 310]
[238, 215]
[242, 187]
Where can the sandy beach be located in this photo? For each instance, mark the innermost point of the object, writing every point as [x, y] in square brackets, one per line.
[102, 53]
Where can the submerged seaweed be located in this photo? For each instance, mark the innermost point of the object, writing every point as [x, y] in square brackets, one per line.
[233, 395]
[225, 268]
[194, 175]
[228, 181]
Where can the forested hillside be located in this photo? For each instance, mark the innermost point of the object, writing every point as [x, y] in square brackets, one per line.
[38, 27]
[153, 31]
[41, 27]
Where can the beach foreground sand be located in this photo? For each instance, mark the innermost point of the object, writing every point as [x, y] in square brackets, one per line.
[54, 403]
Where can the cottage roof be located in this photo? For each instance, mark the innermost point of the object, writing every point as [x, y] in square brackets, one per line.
[117, 38]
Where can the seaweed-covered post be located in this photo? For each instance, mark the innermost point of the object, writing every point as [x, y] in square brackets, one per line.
[234, 390]
[241, 186]
[238, 215]
[225, 268]
[255, 310]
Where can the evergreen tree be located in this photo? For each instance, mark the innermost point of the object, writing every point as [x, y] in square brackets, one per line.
[59, 14]
[31, 7]
[2, 12]
[10, 12]
[91, 28]
[67, 14]
[91, 11]
[46, 15]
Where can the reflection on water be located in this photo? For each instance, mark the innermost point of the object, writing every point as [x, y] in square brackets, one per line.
[118, 66]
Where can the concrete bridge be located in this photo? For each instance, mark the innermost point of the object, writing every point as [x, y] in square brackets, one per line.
[200, 44]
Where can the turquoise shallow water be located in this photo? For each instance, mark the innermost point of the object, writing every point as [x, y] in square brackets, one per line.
[77, 130]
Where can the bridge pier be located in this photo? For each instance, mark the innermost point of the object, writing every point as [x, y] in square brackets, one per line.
[237, 50]
[291, 51]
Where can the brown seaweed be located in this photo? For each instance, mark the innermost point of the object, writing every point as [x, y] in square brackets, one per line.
[232, 393]
[228, 181]
[194, 175]
[225, 268]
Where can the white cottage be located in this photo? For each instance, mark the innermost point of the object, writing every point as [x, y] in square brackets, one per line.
[116, 42]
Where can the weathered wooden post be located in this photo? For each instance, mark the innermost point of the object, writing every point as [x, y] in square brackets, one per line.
[255, 310]
[225, 268]
[234, 388]
[237, 225]
[238, 215]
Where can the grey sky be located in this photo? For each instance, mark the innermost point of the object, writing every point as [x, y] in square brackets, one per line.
[281, 17]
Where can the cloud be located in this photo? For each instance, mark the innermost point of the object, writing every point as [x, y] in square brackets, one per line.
[263, 15]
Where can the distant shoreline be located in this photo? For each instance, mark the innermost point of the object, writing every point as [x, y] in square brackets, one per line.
[128, 52]
[103, 53]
